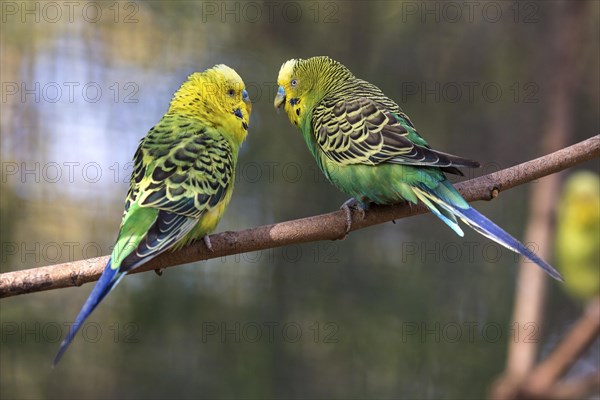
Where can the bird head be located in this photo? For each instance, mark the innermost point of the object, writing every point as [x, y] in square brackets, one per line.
[304, 82]
[218, 95]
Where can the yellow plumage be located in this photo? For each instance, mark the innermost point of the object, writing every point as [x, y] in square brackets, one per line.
[578, 234]
[184, 170]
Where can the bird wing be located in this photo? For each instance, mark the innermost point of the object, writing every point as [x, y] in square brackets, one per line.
[359, 130]
[181, 170]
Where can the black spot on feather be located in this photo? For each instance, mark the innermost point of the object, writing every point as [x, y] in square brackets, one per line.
[216, 197]
[353, 118]
[191, 147]
[176, 191]
[179, 178]
[182, 155]
[202, 198]
[214, 185]
[156, 196]
[378, 119]
[200, 140]
[154, 185]
[373, 140]
[169, 164]
[160, 174]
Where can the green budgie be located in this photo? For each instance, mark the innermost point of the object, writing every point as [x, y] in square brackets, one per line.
[182, 180]
[369, 149]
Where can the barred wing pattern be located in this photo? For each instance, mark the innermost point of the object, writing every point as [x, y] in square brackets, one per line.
[182, 178]
[359, 125]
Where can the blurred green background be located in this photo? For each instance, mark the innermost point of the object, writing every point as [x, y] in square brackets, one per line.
[394, 311]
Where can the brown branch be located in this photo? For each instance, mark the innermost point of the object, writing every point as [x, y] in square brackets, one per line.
[571, 347]
[576, 388]
[543, 381]
[329, 226]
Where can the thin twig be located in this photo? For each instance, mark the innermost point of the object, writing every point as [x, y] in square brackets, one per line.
[329, 226]
[543, 382]
[572, 345]
[576, 388]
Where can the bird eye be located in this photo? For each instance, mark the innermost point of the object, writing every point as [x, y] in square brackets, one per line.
[231, 92]
[294, 82]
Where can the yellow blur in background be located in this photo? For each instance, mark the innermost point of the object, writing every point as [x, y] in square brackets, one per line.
[578, 234]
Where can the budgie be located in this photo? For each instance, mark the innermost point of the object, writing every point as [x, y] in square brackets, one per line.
[578, 234]
[369, 149]
[182, 180]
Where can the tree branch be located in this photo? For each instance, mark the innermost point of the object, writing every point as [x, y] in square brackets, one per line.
[543, 381]
[329, 226]
[566, 353]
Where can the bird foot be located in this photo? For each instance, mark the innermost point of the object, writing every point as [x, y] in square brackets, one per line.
[158, 271]
[208, 243]
[347, 208]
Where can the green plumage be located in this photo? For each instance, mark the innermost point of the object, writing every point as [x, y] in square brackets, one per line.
[369, 149]
[183, 170]
[182, 178]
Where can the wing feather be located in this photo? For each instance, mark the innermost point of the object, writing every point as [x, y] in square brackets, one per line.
[174, 182]
[365, 127]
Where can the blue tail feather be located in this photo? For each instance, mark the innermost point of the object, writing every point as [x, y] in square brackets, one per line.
[489, 229]
[108, 280]
[448, 198]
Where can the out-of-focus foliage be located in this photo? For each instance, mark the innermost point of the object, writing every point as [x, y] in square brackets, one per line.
[578, 234]
[405, 310]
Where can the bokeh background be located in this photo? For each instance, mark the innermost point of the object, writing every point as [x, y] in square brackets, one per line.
[405, 310]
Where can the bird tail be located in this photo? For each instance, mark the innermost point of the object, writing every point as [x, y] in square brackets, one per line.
[108, 280]
[447, 203]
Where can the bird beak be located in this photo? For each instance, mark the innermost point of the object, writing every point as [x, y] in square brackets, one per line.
[279, 98]
[246, 100]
